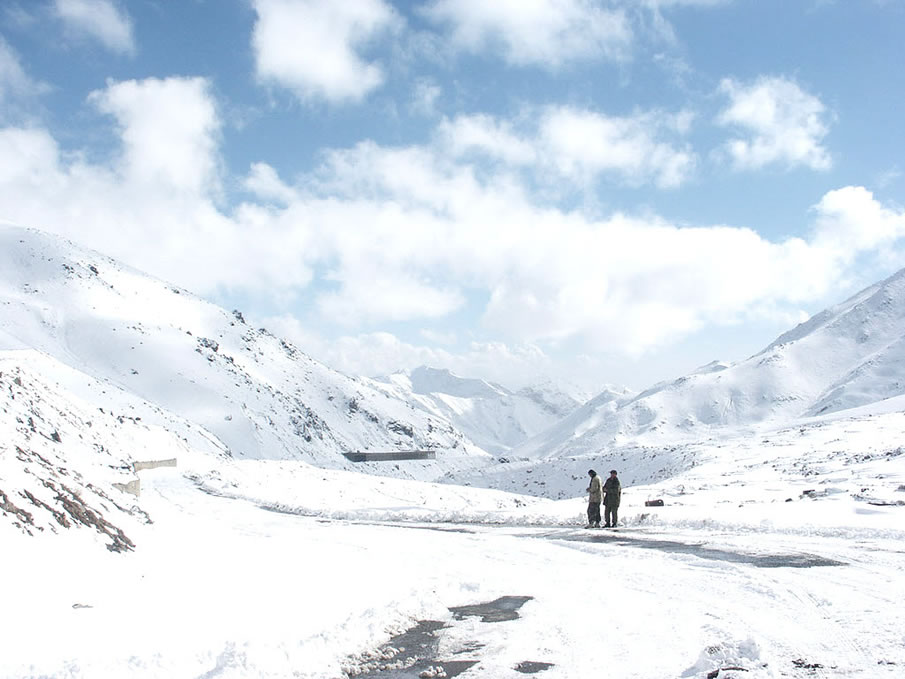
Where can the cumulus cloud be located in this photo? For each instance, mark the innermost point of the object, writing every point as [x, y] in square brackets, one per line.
[154, 205]
[485, 134]
[548, 33]
[551, 275]
[851, 220]
[265, 183]
[101, 20]
[401, 234]
[312, 47]
[783, 124]
[583, 144]
[578, 145]
[169, 130]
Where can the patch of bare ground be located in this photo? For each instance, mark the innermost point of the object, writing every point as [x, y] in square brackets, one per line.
[22, 519]
[65, 504]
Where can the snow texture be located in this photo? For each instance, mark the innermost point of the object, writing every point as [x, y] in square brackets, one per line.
[775, 550]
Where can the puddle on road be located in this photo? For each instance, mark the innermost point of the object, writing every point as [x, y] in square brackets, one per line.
[500, 610]
[713, 553]
[674, 547]
[413, 654]
[528, 667]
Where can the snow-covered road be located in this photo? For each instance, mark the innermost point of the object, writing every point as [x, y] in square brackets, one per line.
[219, 587]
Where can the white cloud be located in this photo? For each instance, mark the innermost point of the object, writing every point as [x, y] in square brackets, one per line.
[371, 354]
[435, 337]
[101, 20]
[486, 135]
[688, 3]
[401, 234]
[584, 144]
[169, 129]
[850, 220]
[579, 146]
[155, 205]
[784, 123]
[424, 98]
[381, 353]
[625, 283]
[549, 33]
[265, 183]
[14, 81]
[375, 291]
[311, 47]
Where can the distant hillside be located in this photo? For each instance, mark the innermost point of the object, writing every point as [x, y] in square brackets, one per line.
[60, 454]
[849, 355]
[492, 416]
[258, 395]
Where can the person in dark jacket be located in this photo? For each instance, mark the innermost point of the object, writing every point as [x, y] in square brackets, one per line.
[595, 494]
[612, 494]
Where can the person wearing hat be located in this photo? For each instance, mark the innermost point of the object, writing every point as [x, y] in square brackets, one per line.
[612, 490]
[595, 494]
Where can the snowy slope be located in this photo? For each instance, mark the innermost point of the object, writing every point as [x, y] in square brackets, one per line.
[491, 415]
[66, 439]
[257, 394]
[847, 356]
[773, 556]
[60, 455]
[777, 551]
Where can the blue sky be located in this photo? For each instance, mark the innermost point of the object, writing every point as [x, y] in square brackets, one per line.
[600, 192]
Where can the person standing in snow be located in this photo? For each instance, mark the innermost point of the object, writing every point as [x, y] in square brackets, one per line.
[595, 495]
[612, 490]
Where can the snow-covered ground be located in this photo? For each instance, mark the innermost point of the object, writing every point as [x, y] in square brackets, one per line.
[777, 552]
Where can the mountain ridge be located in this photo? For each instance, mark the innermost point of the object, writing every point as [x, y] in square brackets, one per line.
[494, 417]
[258, 394]
[849, 355]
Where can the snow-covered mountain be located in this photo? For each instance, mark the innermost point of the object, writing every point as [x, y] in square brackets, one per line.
[849, 355]
[101, 367]
[61, 454]
[494, 417]
[162, 350]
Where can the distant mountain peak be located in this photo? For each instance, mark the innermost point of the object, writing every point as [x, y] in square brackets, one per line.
[849, 355]
[427, 380]
[494, 417]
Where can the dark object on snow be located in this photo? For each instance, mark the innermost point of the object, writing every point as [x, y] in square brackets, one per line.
[716, 673]
[653, 503]
[612, 494]
[595, 495]
[499, 610]
[389, 457]
[531, 667]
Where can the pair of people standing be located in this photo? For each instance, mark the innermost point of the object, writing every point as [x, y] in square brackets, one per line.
[609, 493]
